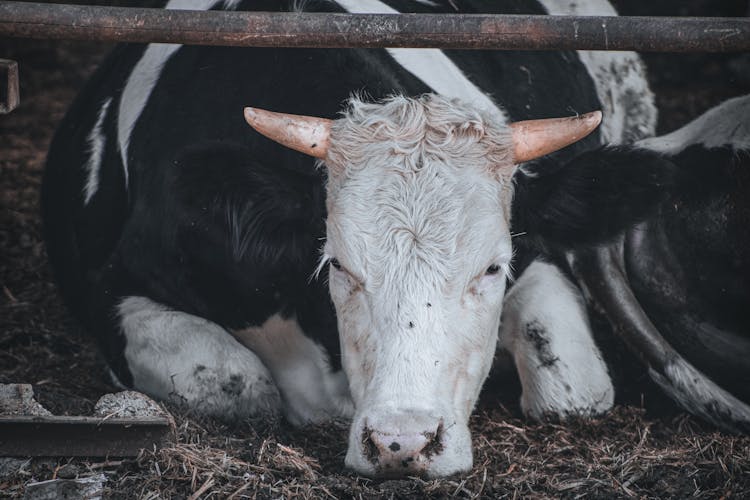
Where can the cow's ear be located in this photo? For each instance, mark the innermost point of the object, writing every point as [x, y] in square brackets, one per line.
[589, 200]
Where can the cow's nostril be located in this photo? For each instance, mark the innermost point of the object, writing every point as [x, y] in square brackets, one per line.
[434, 444]
[371, 451]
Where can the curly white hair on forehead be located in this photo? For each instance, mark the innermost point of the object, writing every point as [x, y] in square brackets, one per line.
[423, 129]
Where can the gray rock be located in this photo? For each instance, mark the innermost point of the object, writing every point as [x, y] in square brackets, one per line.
[127, 404]
[18, 399]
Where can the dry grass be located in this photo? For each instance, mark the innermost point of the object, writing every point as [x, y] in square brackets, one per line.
[623, 455]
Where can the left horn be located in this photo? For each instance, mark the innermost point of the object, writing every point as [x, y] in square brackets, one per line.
[535, 138]
[306, 134]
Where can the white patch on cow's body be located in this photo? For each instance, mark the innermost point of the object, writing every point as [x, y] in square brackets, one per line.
[428, 3]
[300, 368]
[96, 141]
[178, 356]
[545, 328]
[144, 76]
[699, 395]
[727, 124]
[418, 201]
[431, 66]
[620, 79]
[585, 7]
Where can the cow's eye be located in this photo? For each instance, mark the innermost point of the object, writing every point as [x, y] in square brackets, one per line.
[493, 269]
[336, 264]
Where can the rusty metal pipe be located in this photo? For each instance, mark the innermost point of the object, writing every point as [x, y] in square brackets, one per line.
[52, 436]
[445, 31]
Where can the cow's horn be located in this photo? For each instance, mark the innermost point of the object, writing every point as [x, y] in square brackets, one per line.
[305, 134]
[535, 138]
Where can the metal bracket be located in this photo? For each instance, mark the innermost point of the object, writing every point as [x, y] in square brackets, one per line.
[9, 95]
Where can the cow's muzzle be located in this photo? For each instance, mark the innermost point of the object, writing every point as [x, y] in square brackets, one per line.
[407, 443]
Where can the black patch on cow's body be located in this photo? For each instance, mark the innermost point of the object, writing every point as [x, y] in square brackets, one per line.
[235, 385]
[234, 248]
[536, 334]
[591, 199]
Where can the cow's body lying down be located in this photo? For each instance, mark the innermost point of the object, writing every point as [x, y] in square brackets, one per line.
[188, 244]
[674, 287]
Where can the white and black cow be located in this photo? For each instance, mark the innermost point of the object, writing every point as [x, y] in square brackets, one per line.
[674, 287]
[190, 246]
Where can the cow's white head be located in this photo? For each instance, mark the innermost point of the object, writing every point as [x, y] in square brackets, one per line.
[419, 246]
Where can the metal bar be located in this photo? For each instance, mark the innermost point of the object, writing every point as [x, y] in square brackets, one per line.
[32, 436]
[445, 31]
[9, 95]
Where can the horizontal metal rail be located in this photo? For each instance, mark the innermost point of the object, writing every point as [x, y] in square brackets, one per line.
[51, 436]
[445, 31]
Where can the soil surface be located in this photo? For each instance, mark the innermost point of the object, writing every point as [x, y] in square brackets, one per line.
[626, 453]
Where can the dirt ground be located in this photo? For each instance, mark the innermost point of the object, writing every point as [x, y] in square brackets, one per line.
[627, 453]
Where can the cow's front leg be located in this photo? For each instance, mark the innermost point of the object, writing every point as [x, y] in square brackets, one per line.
[176, 356]
[310, 390]
[546, 330]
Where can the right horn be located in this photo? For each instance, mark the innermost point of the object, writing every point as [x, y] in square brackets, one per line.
[306, 134]
[535, 138]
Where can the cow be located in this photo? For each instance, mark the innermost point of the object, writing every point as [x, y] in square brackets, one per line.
[351, 263]
[673, 287]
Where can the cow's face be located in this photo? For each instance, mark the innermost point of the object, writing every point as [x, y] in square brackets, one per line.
[418, 245]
